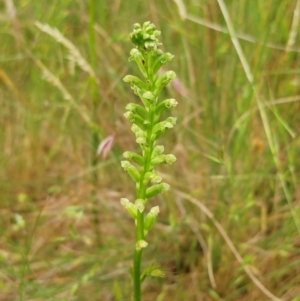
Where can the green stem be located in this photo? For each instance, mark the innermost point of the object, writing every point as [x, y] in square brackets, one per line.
[141, 194]
[144, 126]
[93, 85]
[138, 258]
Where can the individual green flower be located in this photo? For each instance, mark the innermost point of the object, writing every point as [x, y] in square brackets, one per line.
[141, 244]
[130, 208]
[151, 218]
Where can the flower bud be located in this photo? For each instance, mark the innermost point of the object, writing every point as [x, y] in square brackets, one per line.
[156, 179]
[146, 102]
[136, 129]
[156, 189]
[148, 26]
[130, 208]
[146, 36]
[136, 26]
[136, 90]
[167, 57]
[131, 170]
[167, 104]
[135, 81]
[163, 125]
[162, 60]
[134, 157]
[153, 177]
[170, 159]
[160, 128]
[125, 165]
[140, 205]
[158, 149]
[163, 80]
[149, 96]
[154, 211]
[136, 55]
[172, 120]
[161, 159]
[171, 103]
[135, 108]
[129, 115]
[141, 140]
[158, 160]
[151, 218]
[156, 33]
[156, 54]
[150, 45]
[141, 137]
[136, 119]
[141, 244]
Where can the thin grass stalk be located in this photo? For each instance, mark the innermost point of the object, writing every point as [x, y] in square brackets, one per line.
[261, 109]
[94, 129]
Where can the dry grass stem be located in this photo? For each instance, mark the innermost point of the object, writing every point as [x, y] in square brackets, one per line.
[74, 54]
[230, 244]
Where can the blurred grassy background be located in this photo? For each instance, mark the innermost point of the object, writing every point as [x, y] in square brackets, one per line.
[237, 144]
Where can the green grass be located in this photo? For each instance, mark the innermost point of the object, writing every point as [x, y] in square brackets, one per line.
[225, 161]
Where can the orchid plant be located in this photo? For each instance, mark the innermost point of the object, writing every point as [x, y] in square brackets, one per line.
[148, 128]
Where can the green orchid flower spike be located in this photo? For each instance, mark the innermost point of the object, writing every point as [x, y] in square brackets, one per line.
[148, 128]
